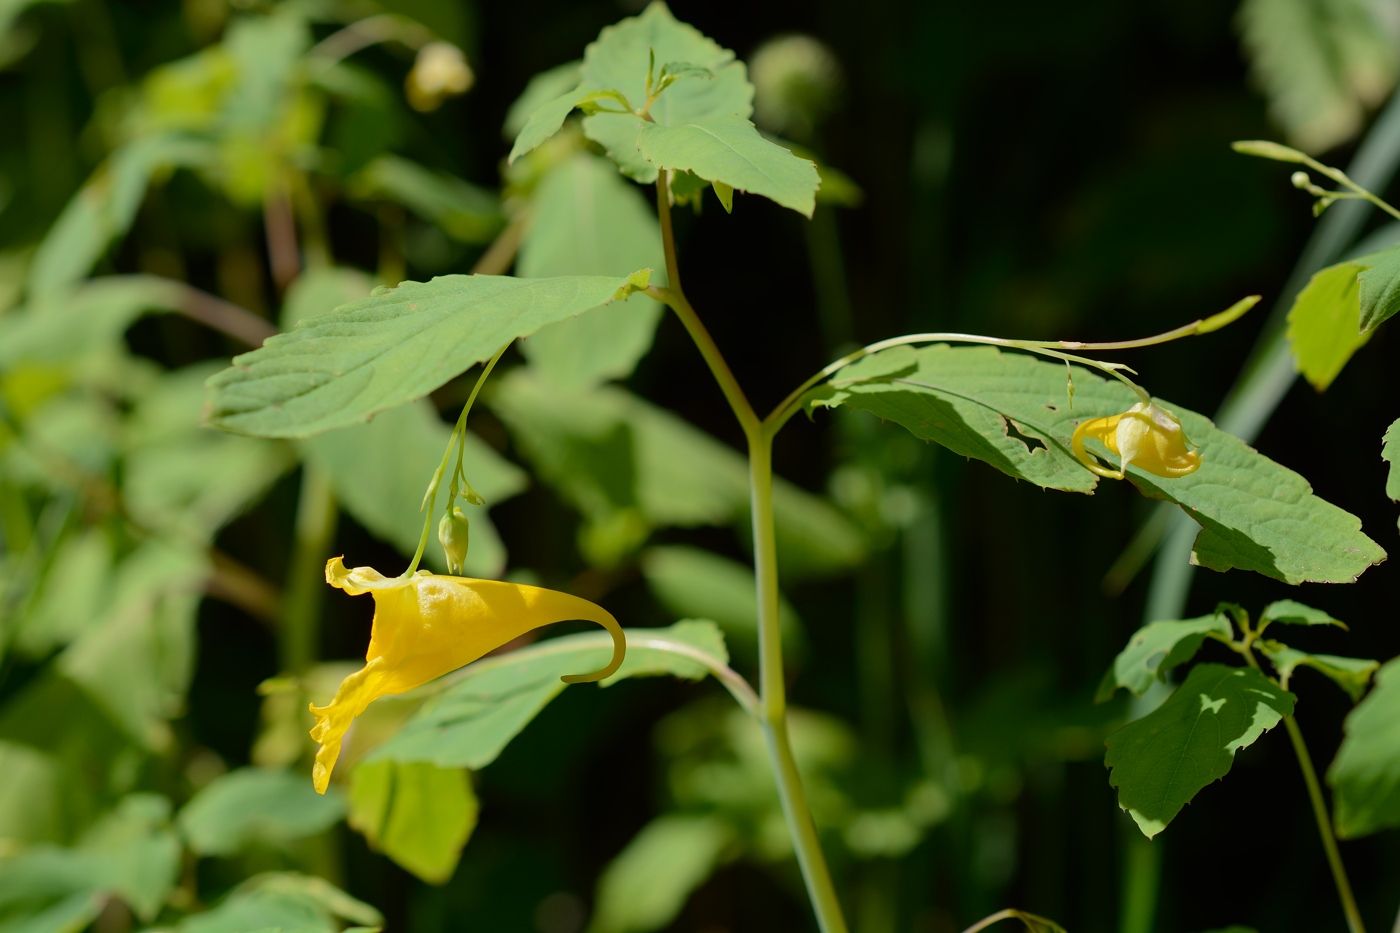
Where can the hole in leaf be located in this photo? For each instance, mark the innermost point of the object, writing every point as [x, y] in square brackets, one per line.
[1013, 430]
[1052, 407]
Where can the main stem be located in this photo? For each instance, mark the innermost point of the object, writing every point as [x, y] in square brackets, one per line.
[772, 707]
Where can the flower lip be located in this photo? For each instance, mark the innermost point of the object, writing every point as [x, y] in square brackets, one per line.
[1146, 436]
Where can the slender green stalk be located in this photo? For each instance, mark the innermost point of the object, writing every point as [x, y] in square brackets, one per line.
[772, 704]
[301, 608]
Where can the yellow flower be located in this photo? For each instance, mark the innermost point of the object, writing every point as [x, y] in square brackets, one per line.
[428, 625]
[1147, 436]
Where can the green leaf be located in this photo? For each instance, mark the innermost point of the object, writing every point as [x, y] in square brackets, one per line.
[1380, 288]
[545, 120]
[693, 583]
[463, 211]
[320, 290]
[476, 713]
[1322, 324]
[541, 89]
[341, 368]
[1390, 453]
[1291, 612]
[612, 454]
[286, 901]
[416, 813]
[1365, 775]
[586, 220]
[1322, 65]
[729, 150]
[645, 887]
[90, 318]
[257, 806]
[1351, 674]
[1161, 761]
[1157, 648]
[1010, 411]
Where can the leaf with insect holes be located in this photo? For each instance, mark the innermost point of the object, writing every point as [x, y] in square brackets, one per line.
[399, 344]
[1161, 761]
[1156, 649]
[1009, 410]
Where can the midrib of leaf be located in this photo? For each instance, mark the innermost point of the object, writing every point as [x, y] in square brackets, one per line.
[1049, 437]
[1171, 782]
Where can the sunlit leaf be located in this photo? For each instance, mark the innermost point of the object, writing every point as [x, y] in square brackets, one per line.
[540, 90]
[645, 887]
[1292, 612]
[1380, 288]
[729, 150]
[1322, 325]
[256, 806]
[1156, 649]
[1365, 775]
[474, 715]
[341, 368]
[416, 813]
[1161, 761]
[1351, 674]
[1390, 453]
[1010, 411]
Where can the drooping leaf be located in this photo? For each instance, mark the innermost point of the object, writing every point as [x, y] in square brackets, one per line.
[418, 814]
[474, 714]
[462, 210]
[729, 150]
[1010, 411]
[693, 583]
[1322, 324]
[1321, 64]
[1156, 649]
[256, 805]
[645, 887]
[341, 368]
[613, 455]
[540, 90]
[1291, 612]
[286, 901]
[1351, 674]
[586, 220]
[1365, 775]
[1161, 761]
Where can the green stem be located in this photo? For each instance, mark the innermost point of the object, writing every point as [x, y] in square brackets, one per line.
[772, 705]
[301, 608]
[1324, 827]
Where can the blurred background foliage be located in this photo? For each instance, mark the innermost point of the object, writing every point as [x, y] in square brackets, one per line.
[178, 180]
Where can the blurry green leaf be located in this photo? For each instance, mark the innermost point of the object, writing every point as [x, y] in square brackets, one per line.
[257, 806]
[416, 813]
[463, 211]
[72, 596]
[69, 325]
[542, 88]
[399, 344]
[474, 714]
[645, 887]
[285, 901]
[379, 471]
[1322, 325]
[104, 208]
[1365, 775]
[1320, 62]
[1351, 674]
[1157, 648]
[69, 915]
[837, 188]
[609, 452]
[693, 583]
[586, 220]
[1008, 410]
[1159, 762]
[1291, 612]
[30, 796]
[730, 150]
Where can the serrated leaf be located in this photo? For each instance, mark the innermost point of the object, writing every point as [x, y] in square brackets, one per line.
[1351, 674]
[730, 150]
[645, 887]
[256, 805]
[1291, 612]
[1322, 324]
[1365, 775]
[1157, 648]
[418, 814]
[1379, 288]
[342, 368]
[473, 715]
[1161, 761]
[586, 220]
[1008, 410]
[320, 290]
[1390, 453]
[463, 211]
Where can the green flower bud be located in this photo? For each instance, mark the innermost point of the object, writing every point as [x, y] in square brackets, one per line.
[453, 535]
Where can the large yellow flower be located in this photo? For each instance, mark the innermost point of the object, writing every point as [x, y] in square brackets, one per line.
[1146, 435]
[427, 625]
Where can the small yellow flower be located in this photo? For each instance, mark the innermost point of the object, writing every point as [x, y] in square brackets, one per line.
[427, 625]
[1147, 436]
